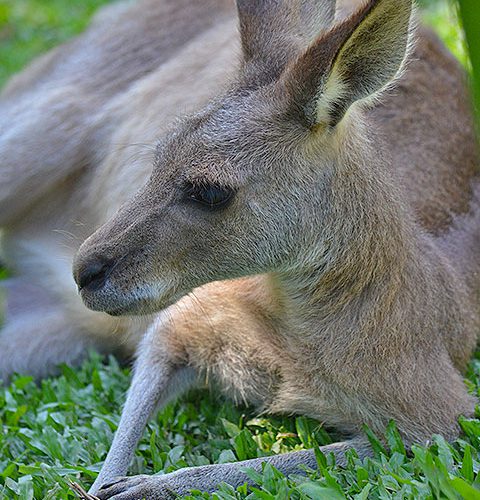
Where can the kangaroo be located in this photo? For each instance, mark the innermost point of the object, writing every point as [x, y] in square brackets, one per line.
[312, 235]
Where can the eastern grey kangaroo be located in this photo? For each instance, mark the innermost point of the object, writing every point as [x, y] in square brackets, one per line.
[335, 184]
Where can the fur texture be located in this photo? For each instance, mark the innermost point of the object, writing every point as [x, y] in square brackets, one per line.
[355, 209]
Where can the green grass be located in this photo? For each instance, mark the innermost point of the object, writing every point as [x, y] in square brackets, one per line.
[470, 15]
[62, 428]
[443, 16]
[30, 27]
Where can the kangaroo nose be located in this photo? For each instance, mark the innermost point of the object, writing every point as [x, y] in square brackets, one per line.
[93, 274]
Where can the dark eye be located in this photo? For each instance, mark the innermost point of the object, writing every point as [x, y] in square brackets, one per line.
[210, 195]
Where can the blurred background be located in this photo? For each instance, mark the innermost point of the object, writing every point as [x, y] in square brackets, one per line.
[30, 27]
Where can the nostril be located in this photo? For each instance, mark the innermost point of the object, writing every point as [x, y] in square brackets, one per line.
[94, 274]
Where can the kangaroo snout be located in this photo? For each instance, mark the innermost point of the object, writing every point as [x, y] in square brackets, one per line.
[109, 271]
[91, 273]
[97, 271]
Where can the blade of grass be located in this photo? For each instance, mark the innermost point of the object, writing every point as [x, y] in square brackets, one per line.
[470, 15]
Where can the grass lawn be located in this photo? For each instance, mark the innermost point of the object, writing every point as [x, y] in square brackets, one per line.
[62, 429]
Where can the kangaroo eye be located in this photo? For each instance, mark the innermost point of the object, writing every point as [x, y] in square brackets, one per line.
[209, 195]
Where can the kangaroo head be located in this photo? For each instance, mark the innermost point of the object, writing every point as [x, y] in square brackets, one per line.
[248, 184]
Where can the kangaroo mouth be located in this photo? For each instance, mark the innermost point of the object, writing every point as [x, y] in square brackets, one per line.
[119, 287]
[137, 301]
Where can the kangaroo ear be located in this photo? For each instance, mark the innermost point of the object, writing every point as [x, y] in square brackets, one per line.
[353, 61]
[273, 32]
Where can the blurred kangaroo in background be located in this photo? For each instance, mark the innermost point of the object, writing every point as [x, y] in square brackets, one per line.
[356, 210]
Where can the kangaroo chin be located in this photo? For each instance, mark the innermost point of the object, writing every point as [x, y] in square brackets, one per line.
[138, 300]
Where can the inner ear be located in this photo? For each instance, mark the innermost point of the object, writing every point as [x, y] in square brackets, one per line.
[354, 61]
[374, 54]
